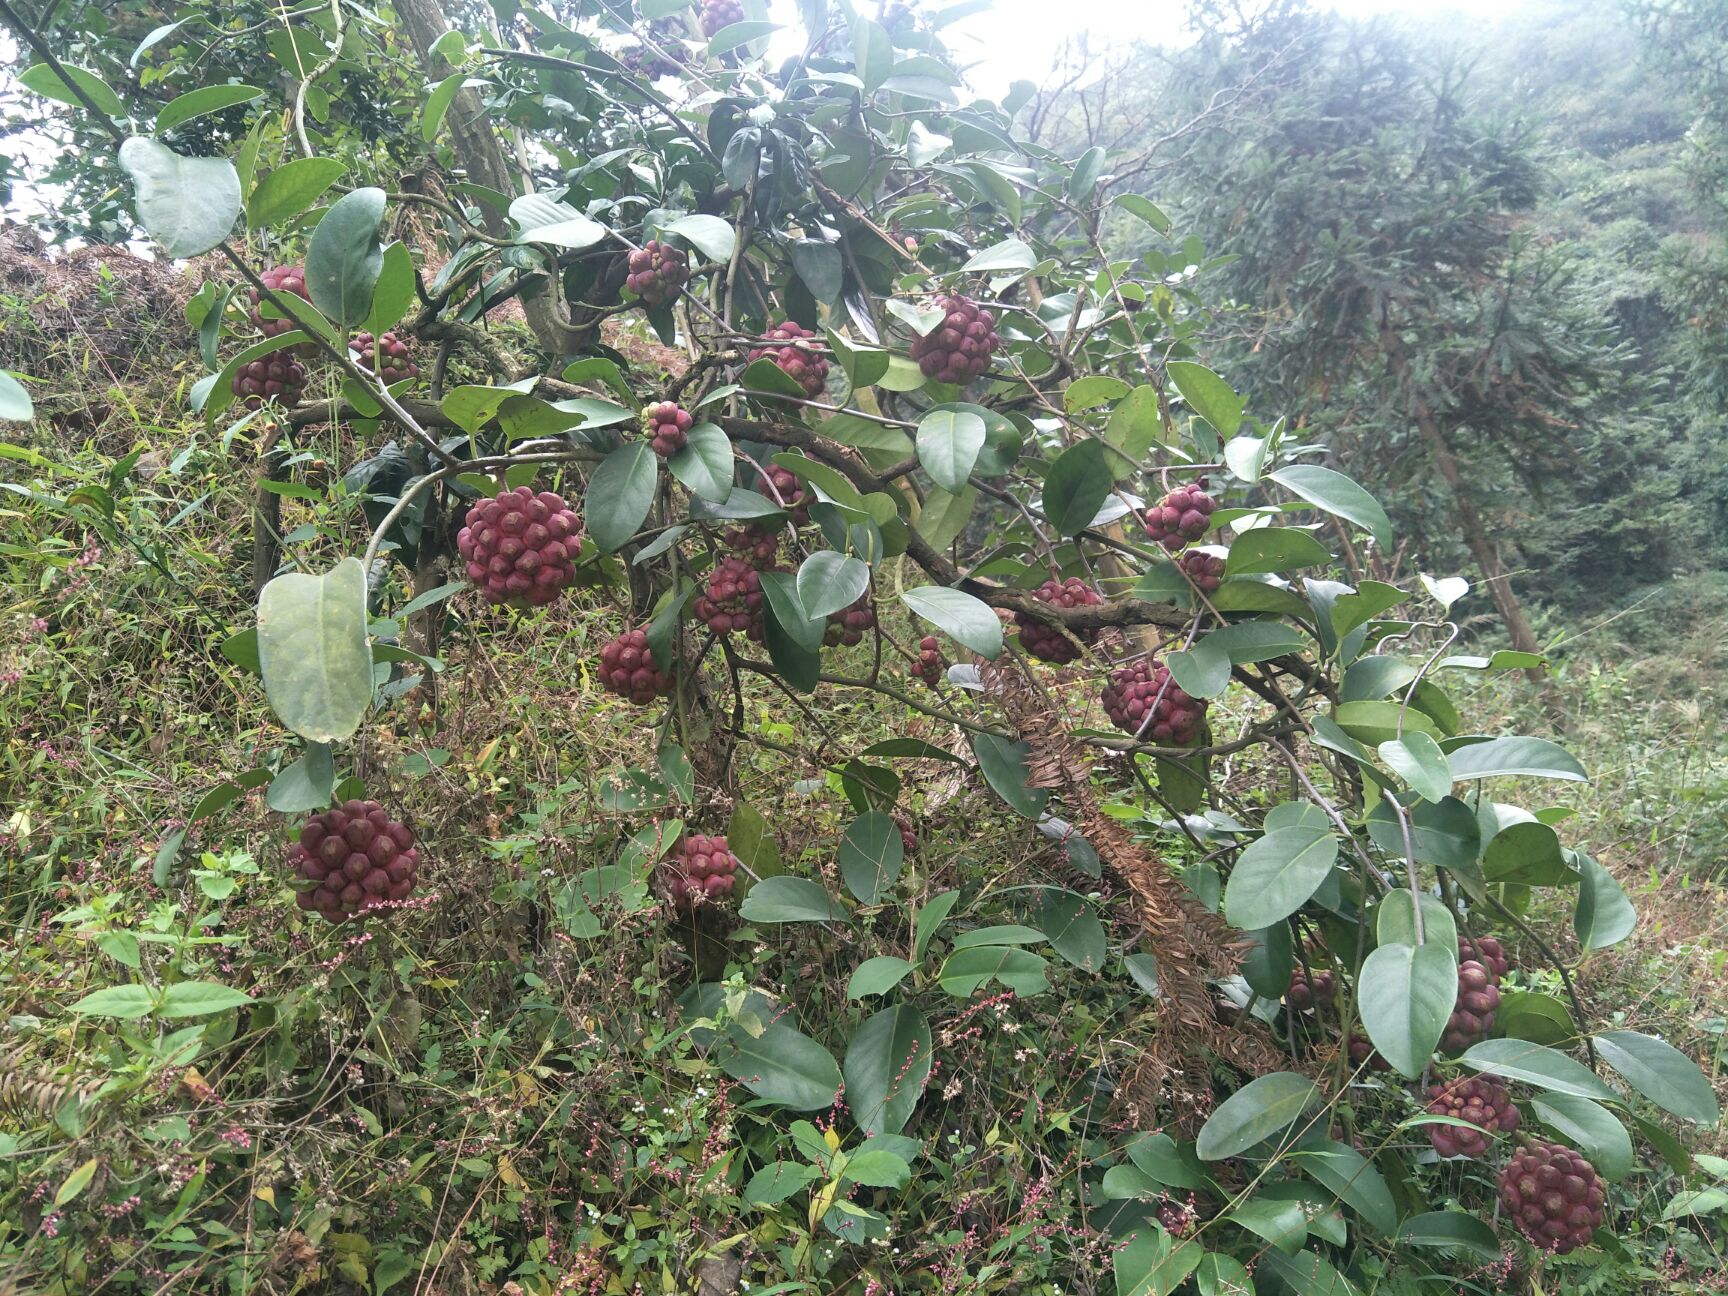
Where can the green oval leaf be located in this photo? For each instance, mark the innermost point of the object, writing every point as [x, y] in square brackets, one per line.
[1417, 759]
[313, 653]
[15, 403]
[290, 189]
[876, 976]
[187, 205]
[128, 1002]
[1662, 1073]
[871, 854]
[543, 219]
[790, 899]
[198, 103]
[1529, 757]
[1338, 495]
[1254, 1113]
[783, 1065]
[967, 620]
[1076, 487]
[1405, 994]
[828, 581]
[620, 494]
[1604, 915]
[345, 258]
[48, 83]
[1277, 875]
[1592, 1128]
[1535, 1064]
[887, 1066]
[709, 235]
[1003, 764]
[948, 445]
[704, 465]
[199, 998]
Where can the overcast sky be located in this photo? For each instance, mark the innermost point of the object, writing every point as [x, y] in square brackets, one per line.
[1015, 39]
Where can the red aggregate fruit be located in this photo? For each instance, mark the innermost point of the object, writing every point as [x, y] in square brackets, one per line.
[656, 271]
[627, 668]
[1144, 689]
[731, 601]
[1046, 642]
[521, 547]
[1363, 1053]
[277, 377]
[850, 624]
[805, 365]
[667, 428]
[959, 350]
[908, 839]
[1473, 1016]
[717, 15]
[1181, 517]
[281, 280]
[1553, 1195]
[1311, 988]
[1487, 951]
[785, 488]
[387, 356]
[930, 666]
[1205, 570]
[756, 545]
[357, 858]
[700, 870]
[1481, 1100]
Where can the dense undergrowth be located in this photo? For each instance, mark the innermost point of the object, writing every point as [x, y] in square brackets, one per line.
[501, 1084]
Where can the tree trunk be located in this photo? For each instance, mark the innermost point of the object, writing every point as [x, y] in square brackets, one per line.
[481, 154]
[1481, 545]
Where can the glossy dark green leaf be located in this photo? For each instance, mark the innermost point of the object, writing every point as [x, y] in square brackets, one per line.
[620, 494]
[948, 446]
[1277, 875]
[1003, 765]
[871, 854]
[1405, 994]
[887, 1066]
[345, 257]
[968, 620]
[1662, 1073]
[1337, 494]
[1254, 1113]
[1076, 486]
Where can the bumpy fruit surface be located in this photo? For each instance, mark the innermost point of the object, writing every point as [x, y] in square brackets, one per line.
[357, 857]
[1205, 570]
[628, 669]
[667, 428]
[1144, 689]
[1310, 988]
[521, 547]
[908, 839]
[717, 15]
[784, 487]
[656, 272]
[387, 356]
[275, 377]
[1363, 1053]
[281, 280]
[1553, 1195]
[1487, 951]
[1481, 1100]
[960, 349]
[732, 599]
[1046, 642]
[930, 666]
[1181, 517]
[1478, 1001]
[700, 870]
[756, 545]
[850, 624]
[804, 365]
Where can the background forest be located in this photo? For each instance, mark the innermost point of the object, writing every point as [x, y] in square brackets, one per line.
[978, 799]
